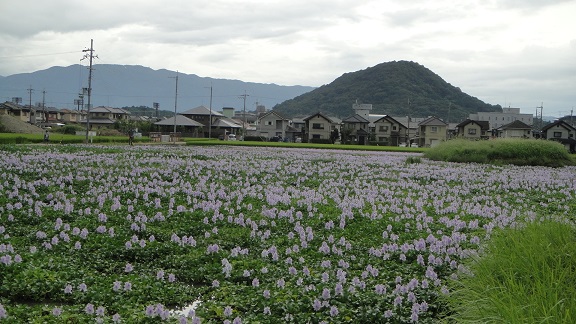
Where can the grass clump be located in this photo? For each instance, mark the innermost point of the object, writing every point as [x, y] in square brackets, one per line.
[527, 275]
[530, 152]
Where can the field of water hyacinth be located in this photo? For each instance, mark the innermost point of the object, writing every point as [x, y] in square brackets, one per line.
[138, 234]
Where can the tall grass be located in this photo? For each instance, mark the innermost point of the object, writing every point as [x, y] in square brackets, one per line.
[503, 151]
[527, 275]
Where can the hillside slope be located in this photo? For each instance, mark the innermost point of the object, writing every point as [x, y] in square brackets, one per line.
[388, 87]
[11, 124]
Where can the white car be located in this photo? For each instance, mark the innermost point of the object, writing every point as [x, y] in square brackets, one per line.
[402, 145]
[231, 137]
[414, 145]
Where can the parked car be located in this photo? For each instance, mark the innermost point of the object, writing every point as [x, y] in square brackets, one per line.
[402, 144]
[414, 145]
[231, 137]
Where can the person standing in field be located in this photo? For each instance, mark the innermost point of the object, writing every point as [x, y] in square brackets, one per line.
[131, 137]
[46, 137]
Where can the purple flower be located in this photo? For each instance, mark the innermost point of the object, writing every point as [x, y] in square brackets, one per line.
[127, 286]
[333, 311]
[227, 311]
[100, 311]
[57, 311]
[68, 289]
[89, 309]
[82, 287]
[266, 293]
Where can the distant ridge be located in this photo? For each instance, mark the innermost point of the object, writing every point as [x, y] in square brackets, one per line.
[134, 85]
[388, 87]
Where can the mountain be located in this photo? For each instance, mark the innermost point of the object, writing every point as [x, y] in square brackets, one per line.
[389, 87]
[131, 85]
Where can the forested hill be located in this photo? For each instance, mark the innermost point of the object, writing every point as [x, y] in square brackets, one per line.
[388, 87]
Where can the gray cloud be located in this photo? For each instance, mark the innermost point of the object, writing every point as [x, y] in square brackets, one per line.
[491, 49]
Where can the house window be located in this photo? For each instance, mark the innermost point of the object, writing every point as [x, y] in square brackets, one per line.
[315, 135]
[434, 129]
[383, 128]
[472, 131]
[557, 134]
[317, 126]
[394, 128]
[268, 123]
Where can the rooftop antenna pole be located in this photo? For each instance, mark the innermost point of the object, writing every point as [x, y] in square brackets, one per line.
[89, 55]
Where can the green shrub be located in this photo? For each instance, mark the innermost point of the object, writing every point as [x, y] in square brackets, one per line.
[526, 276]
[502, 151]
[320, 141]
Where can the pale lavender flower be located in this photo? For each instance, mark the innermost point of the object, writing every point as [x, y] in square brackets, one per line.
[227, 311]
[89, 309]
[127, 286]
[68, 289]
[100, 311]
[82, 287]
[57, 311]
[128, 268]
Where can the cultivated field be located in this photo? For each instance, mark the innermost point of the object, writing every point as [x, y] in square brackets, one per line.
[251, 234]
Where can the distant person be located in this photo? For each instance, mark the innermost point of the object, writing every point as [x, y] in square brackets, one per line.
[131, 137]
[46, 137]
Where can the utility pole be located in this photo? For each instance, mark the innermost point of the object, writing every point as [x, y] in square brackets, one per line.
[89, 55]
[210, 121]
[44, 106]
[32, 112]
[541, 120]
[244, 124]
[408, 130]
[175, 101]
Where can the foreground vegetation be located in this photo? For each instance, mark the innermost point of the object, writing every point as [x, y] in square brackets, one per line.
[269, 235]
[503, 151]
[525, 276]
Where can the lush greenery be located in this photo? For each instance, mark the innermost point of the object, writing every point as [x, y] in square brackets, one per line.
[113, 233]
[394, 88]
[352, 147]
[526, 275]
[59, 138]
[503, 151]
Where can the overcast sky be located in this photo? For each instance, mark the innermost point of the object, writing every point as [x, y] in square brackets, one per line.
[517, 53]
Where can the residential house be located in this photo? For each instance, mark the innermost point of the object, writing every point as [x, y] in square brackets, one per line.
[272, 124]
[319, 126]
[71, 116]
[515, 129]
[389, 131]
[104, 117]
[432, 131]
[562, 132]
[355, 129]
[473, 129]
[506, 116]
[182, 124]
[207, 117]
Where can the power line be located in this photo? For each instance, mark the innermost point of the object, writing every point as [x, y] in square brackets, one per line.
[34, 55]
